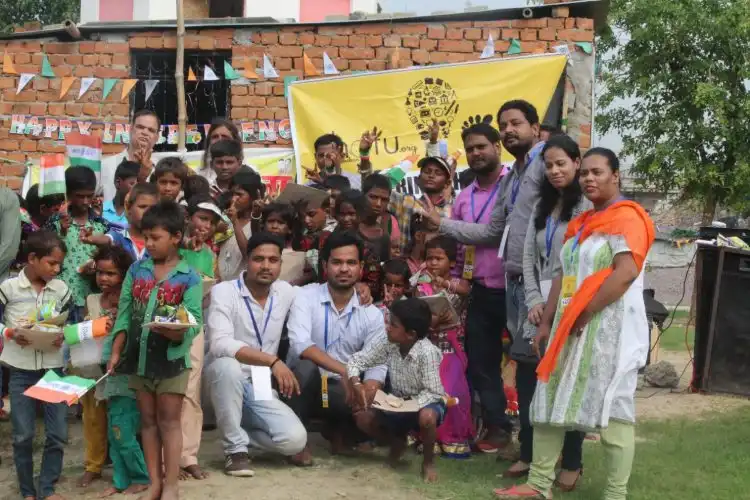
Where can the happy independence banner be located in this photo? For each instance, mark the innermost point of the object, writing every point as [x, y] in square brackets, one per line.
[403, 103]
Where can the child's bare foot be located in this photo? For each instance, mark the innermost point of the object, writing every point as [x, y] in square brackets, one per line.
[111, 491]
[152, 493]
[192, 471]
[135, 488]
[87, 478]
[397, 449]
[429, 474]
[171, 492]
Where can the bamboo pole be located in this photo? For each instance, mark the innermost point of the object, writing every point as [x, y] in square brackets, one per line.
[180, 77]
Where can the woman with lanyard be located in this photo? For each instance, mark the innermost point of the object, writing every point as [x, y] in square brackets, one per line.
[595, 320]
[561, 199]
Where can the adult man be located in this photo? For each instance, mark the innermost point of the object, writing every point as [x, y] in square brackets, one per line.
[245, 321]
[517, 196]
[329, 153]
[481, 265]
[145, 131]
[327, 325]
[10, 229]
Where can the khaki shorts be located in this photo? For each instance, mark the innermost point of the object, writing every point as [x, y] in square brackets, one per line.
[174, 385]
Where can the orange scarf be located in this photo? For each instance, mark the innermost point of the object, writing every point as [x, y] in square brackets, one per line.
[624, 218]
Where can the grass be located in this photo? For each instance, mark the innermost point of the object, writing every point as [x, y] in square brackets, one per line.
[674, 337]
[675, 460]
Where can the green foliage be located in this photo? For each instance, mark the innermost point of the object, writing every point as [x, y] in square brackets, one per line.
[685, 64]
[15, 12]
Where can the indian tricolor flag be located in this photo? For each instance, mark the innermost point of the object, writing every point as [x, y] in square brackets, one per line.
[84, 150]
[81, 332]
[52, 174]
[52, 388]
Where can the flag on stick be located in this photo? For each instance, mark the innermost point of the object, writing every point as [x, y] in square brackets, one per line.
[87, 330]
[53, 388]
[84, 150]
[52, 174]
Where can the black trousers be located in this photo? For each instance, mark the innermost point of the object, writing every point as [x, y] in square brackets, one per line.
[485, 322]
[572, 452]
[309, 403]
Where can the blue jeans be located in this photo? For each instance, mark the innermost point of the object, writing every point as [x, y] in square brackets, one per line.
[23, 418]
[515, 305]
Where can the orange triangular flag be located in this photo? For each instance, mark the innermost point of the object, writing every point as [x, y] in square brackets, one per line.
[8, 65]
[191, 75]
[65, 85]
[127, 86]
[249, 72]
[310, 69]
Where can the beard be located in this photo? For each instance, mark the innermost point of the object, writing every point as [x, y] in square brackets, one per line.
[338, 284]
[484, 168]
[519, 148]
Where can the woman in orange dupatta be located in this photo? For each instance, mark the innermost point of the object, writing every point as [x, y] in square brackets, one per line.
[595, 320]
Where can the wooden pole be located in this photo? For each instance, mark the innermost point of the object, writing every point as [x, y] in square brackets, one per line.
[179, 77]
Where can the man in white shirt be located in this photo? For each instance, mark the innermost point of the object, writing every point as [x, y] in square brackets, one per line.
[245, 321]
[327, 325]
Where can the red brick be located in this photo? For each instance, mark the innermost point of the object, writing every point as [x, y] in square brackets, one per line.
[64, 71]
[456, 46]
[14, 183]
[561, 12]
[374, 41]
[501, 46]
[90, 60]
[459, 24]
[585, 128]
[288, 38]
[115, 48]
[383, 53]
[357, 53]
[335, 30]
[570, 23]
[454, 34]
[9, 145]
[534, 47]
[27, 145]
[101, 72]
[528, 34]
[50, 147]
[376, 65]
[529, 23]
[358, 65]
[392, 41]
[237, 113]
[427, 44]
[341, 64]
[436, 32]
[60, 48]
[38, 108]
[547, 34]
[282, 63]
[239, 90]
[318, 51]
[410, 29]
[155, 42]
[105, 60]
[22, 58]
[7, 83]
[508, 34]
[556, 23]
[84, 71]
[6, 108]
[411, 42]
[492, 24]
[276, 102]
[473, 33]
[373, 29]
[252, 113]
[218, 34]
[340, 40]
[281, 114]
[269, 38]
[306, 38]
[223, 44]
[17, 171]
[56, 109]
[438, 57]
[192, 41]
[286, 51]
[91, 109]
[265, 114]
[257, 102]
[56, 59]
[25, 96]
[584, 140]
[575, 36]
[420, 56]
[74, 59]
[357, 41]
[137, 42]
[263, 88]
[206, 43]
[322, 40]
[584, 23]
[121, 59]
[28, 68]
[239, 101]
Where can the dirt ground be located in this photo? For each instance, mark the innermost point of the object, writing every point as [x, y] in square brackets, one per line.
[337, 478]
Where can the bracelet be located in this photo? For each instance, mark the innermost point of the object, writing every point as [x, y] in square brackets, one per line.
[8, 333]
[276, 361]
[364, 152]
[364, 157]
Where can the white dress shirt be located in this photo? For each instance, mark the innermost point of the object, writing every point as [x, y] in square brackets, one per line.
[230, 326]
[348, 331]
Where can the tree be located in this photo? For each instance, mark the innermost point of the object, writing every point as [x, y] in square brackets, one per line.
[685, 65]
[15, 12]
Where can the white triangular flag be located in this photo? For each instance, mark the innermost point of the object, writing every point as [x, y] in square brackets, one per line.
[489, 49]
[24, 80]
[209, 75]
[268, 70]
[562, 49]
[328, 67]
[150, 87]
[86, 84]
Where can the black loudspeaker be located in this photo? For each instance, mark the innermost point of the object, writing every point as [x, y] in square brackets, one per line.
[722, 337]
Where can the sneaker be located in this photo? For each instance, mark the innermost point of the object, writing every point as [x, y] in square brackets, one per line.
[238, 465]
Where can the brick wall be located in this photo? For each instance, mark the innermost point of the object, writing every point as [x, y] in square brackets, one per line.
[352, 47]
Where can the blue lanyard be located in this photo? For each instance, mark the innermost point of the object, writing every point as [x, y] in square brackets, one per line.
[252, 317]
[325, 332]
[486, 203]
[517, 180]
[549, 233]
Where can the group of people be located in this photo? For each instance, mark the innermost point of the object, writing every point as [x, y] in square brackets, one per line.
[550, 251]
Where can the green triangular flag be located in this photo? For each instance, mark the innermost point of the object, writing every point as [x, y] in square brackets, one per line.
[47, 68]
[586, 47]
[515, 47]
[229, 72]
[109, 84]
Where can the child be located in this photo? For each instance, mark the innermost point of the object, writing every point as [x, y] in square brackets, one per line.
[203, 218]
[416, 247]
[126, 176]
[35, 216]
[396, 286]
[336, 184]
[169, 176]
[457, 431]
[414, 371]
[377, 190]
[36, 287]
[158, 359]
[74, 226]
[196, 185]
[247, 187]
[281, 220]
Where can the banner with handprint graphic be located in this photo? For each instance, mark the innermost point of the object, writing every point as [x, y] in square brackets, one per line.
[405, 103]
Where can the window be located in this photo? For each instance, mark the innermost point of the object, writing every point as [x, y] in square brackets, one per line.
[226, 8]
[205, 100]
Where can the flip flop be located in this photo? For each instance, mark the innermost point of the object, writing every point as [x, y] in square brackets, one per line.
[513, 493]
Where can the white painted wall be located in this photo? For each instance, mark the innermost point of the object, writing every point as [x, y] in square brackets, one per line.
[89, 11]
[279, 9]
[154, 10]
[368, 6]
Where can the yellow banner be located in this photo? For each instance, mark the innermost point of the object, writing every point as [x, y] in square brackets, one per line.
[403, 104]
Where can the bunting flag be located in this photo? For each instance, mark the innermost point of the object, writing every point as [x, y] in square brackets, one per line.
[562, 49]
[53, 388]
[81, 332]
[8, 67]
[86, 84]
[65, 85]
[489, 49]
[328, 67]
[250, 72]
[309, 67]
[515, 47]
[127, 86]
[47, 68]
[109, 84]
[268, 70]
[150, 87]
[191, 75]
[52, 174]
[209, 75]
[23, 81]
[84, 150]
[229, 72]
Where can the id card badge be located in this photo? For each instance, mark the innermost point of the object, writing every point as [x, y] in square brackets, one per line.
[503, 242]
[324, 389]
[545, 286]
[569, 284]
[469, 255]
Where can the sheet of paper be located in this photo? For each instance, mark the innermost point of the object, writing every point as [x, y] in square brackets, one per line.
[381, 402]
[503, 242]
[87, 353]
[545, 286]
[261, 376]
[40, 340]
[292, 265]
